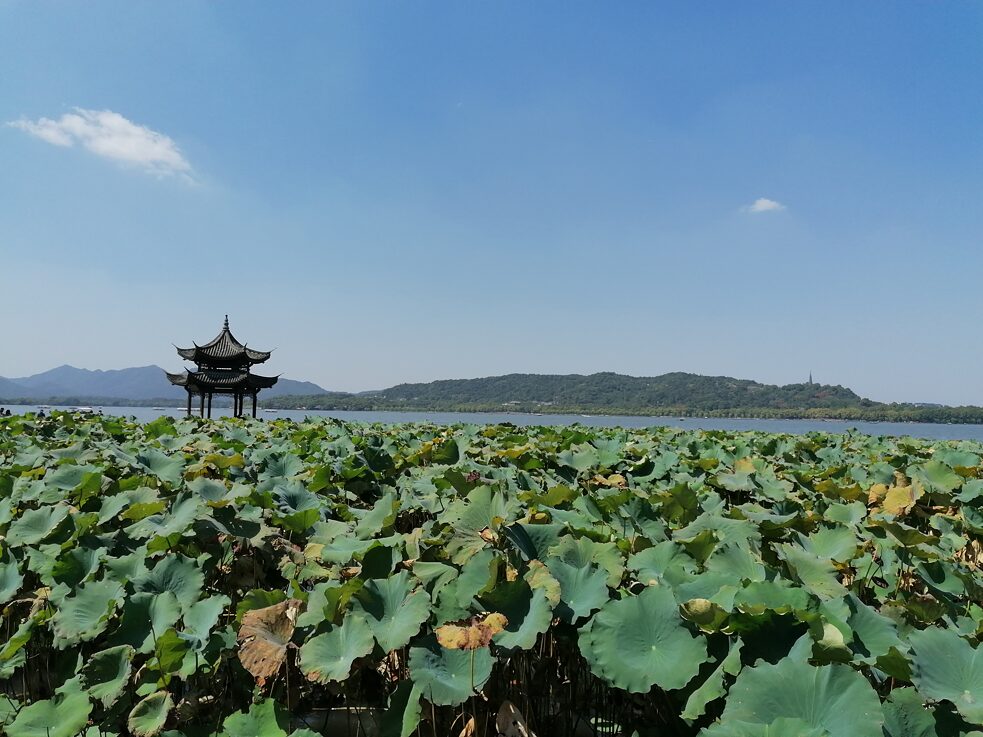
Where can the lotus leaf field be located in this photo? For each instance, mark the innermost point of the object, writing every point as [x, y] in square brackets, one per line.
[243, 578]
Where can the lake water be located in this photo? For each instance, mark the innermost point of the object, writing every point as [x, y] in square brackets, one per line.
[916, 429]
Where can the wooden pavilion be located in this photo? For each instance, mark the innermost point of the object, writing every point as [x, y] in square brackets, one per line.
[223, 367]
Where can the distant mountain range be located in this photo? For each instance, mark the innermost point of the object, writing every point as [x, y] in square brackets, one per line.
[141, 384]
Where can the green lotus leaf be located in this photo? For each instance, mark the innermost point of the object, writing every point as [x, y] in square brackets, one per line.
[582, 590]
[782, 727]
[8, 710]
[713, 687]
[527, 610]
[818, 576]
[640, 641]
[946, 667]
[184, 511]
[10, 580]
[297, 508]
[169, 651]
[875, 639]
[402, 716]
[167, 468]
[84, 616]
[482, 509]
[392, 609]
[582, 459]
[145, 616]
[106, 672]
[936, 476]
[15, 644]
[329, 656]
[34, 525]
[580, 552]
[905, 715]
[374, 521]
[211, 491]
[264, 718]
[148, 717]
[176, 574]
[63, 715]
[201, 617]
[285, 465]
[737, 562]
[457, 597]
[449, 677]
[833, 698]
[831, 543]
[662, 560]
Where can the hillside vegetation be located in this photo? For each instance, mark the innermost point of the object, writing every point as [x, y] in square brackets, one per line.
[608, 393]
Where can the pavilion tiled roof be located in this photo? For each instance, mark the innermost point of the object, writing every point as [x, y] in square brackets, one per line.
[223, 349]
[215, 380]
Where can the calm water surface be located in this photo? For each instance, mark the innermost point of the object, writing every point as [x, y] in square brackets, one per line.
[916, 429]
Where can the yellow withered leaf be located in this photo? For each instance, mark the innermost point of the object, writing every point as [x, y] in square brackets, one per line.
[470, 634]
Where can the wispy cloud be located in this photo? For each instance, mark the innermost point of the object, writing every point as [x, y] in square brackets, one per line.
[763, 204]
[111, 136]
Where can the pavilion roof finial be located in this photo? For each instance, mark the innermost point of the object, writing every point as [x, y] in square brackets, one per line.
[225, 326]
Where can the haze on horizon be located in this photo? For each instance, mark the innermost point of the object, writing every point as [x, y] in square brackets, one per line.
[396, 192]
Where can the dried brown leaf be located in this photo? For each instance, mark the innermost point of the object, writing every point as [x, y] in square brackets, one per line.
[264, 636]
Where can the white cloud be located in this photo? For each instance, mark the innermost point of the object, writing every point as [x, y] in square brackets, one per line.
[763, 204]
[111, 136]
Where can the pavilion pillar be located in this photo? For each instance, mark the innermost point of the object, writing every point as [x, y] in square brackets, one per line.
[209, 405]
[189, 403]
[201, 409]
[254, 405]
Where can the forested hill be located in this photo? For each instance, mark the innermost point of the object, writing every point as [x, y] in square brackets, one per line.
[675, 393]
[616, 390]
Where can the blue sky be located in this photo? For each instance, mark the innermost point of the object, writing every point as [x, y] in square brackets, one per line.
[396, 191]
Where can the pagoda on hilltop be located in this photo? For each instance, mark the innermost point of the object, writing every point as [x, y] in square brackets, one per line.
[223, 366]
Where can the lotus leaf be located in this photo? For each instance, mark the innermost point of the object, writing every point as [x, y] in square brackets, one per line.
[713, 687]
[175, 574]
[201, 617]
[640, 641]
[147, 718]
[449, 677]
[167, 468]
[403, 715]
[63, 715]
[945, 666]
[105, 673]
[831, 698]
[329, 656]
[84, 616]
[582, 589]
[392, 609]
[145, 616]
[34, 525]
[10, 580]
[264, 718]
